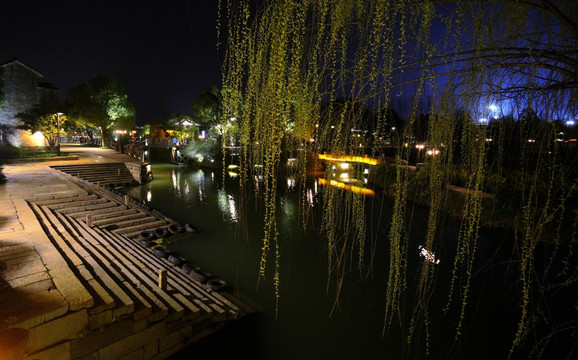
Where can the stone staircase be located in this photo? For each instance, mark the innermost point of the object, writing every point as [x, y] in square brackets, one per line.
[103, 174]
[123, 279]
[107, 210]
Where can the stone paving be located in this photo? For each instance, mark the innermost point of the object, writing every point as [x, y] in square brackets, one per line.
[36, 284]
[70, 291]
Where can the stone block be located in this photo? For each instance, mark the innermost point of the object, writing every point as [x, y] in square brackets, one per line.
[100, 319]
[27, 290]
[16, 254]
[103, 301]
[57, 330]
[151, 349]
[91, 356]
[132, 342]
[168, 353]
[32, 278]
[174, 326]
[60, 352]
[23, 269]
[33, 310]
[175, 338]
[139, 325]
[135, 355]
[102, 337]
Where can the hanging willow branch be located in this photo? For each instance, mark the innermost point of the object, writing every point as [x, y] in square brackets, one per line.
[307, 72]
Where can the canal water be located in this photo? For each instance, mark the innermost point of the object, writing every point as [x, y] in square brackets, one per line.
[310, 321]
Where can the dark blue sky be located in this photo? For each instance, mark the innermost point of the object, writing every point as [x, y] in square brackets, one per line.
[163, 52]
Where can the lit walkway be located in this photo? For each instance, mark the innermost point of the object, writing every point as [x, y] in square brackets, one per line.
[82, 292]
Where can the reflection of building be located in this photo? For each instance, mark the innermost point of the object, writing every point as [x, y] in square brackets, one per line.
[22, 90]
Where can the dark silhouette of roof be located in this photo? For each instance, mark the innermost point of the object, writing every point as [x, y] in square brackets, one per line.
[15, 60]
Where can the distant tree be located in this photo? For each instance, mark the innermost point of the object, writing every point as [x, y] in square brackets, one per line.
[103, 104]
[182, 126]
[207, 107]
[44, 118]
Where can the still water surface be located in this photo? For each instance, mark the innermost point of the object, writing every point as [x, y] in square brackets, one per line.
[304, 327]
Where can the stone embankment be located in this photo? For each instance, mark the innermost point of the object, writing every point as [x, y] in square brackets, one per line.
[77, 289]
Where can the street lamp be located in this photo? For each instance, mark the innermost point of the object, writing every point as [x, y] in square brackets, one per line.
[58, 122]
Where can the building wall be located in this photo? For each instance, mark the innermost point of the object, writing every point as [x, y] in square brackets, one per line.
[20, 87]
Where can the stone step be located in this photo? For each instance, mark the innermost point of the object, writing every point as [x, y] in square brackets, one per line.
[104, 175]
[71, 257]
[106, 293]
[109, 179]
[137, 221]
[143, 307]
[76, 209]
[133, 272]
[183, 282]
[73, 169]
[141, 227]
[74, 204]
[95, 165]
[112, 214]
[108, 210]
[55, 195]
[118, 219]
[66, 200]
[149, 267]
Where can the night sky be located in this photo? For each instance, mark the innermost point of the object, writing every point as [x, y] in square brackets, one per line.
[163, 52]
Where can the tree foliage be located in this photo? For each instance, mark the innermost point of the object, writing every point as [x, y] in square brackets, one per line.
[206, 107]
[183, 126]
[102, 103]
[44, 118]
[452, 60]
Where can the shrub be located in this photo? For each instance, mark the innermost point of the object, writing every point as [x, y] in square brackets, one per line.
[9, 152]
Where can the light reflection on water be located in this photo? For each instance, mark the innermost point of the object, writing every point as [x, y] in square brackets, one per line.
[229, 246]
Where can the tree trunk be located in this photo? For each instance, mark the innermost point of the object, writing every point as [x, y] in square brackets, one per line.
[105, 136]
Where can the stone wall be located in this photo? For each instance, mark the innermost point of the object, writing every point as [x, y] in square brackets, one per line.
[20, 87]
[141, 172]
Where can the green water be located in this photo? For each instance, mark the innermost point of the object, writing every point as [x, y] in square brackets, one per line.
[311, 321]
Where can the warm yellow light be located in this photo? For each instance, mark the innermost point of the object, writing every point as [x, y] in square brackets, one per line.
[354, 159]
[420, 146]
[38, 138]
[344, 166]
[352, 188]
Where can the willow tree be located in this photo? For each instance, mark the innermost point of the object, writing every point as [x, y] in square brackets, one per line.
[288, 61]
